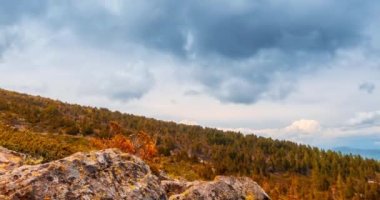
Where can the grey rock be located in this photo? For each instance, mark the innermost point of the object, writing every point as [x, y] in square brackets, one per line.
[10, 160]
[106, 174]
[110, 175]
[223, 188]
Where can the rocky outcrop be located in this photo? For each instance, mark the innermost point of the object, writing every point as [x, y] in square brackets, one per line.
[222, 188]
[109, 174]
[10, 160]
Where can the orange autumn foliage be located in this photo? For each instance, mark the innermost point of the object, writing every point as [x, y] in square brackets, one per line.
[145, 145]
[148, 152]
[117, 141]
[140, 144]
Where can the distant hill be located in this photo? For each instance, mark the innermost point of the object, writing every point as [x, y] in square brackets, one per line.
[50, 130]
[368, 153]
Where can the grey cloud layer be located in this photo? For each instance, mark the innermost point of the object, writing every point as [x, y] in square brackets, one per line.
[244, 50]
[219, 27]
[366, 119]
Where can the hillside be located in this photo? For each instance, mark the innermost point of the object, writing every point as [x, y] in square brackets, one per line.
[48, 130]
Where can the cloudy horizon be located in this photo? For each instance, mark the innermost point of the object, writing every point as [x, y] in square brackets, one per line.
[308, 72]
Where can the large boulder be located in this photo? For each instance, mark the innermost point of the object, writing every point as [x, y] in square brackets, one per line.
[107, 174]
[222, 188]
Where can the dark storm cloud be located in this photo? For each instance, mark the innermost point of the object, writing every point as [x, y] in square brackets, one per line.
[221, 27]
[242, 32]
[225, 28]
[247, 50]
[271, 25]
[12, 13]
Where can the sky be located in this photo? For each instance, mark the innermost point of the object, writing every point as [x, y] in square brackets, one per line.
[305, 71]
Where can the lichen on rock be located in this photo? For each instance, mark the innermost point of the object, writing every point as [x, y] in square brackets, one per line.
[222, 188]
[10, 160]
[110, 175]
[106, 174]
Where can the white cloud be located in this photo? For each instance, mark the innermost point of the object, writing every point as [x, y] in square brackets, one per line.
[304, 126]
[300, 131]
[188, 122]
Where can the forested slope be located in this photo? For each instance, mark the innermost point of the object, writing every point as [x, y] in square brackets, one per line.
[53, 129]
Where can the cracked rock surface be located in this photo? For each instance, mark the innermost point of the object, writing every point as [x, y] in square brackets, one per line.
[221, 188]
[107, 175]
[10, 160]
